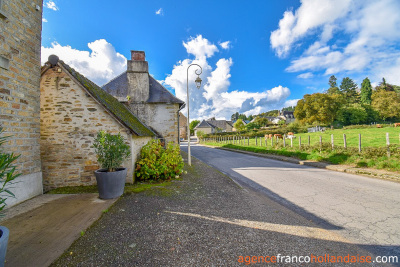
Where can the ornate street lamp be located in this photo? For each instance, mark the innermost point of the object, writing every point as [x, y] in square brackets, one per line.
[198, 84]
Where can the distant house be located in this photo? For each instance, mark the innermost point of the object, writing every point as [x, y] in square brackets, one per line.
[213, 126]
[72, 110]
[147, 98]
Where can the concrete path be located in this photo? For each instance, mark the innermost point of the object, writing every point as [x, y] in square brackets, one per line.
[41, 229]
[363, 209]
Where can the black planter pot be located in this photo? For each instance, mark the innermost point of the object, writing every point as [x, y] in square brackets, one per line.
[3, 244]
[110, 184]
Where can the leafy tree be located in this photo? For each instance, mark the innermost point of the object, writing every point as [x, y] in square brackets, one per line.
[291, 108]
[318, 108]
[239, 125]
[261, 122]
[242, 117]
[353, 114]
[252, 125]
[235, 116]
[384, 86]
[192, 125]
[333, 89]
[349, 89]
[366, 92]
[250, 118]
[387, 103]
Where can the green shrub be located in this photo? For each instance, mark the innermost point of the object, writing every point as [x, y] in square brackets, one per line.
[111, 150]
[7, 171]
[157, 163]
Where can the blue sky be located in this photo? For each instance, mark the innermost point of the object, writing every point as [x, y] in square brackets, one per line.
[256, 55]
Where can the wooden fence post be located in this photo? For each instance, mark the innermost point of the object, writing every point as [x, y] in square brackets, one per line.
[300, 142]
[284, 140]
[345, 141]
[291, 141]
[248, 141]
[256, 140]
[333, 146]
[320, 143]
[272, 141]
[359, 143]
[309, 140]
[388, 144]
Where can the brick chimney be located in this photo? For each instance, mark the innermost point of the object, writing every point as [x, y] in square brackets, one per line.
[138, 77]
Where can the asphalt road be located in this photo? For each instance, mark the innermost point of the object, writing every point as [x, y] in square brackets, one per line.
[361, 209]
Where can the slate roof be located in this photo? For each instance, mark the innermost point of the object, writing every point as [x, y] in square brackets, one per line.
[118, 87]
[214, 124]
[119, 110]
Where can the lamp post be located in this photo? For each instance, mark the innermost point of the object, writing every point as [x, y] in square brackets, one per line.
[198, 84]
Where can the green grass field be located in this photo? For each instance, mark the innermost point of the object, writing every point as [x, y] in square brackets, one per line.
[373, 144]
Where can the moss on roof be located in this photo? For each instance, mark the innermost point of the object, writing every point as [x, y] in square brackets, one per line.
[119, 110]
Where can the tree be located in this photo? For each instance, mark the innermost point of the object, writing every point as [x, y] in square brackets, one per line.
[252, 125]
[235, 116]
[239, 125]
[384, 86]
[387, 103]
[333, 89]
[192, 125]
[318, 108]
[366, 92]
[261, 122]
[349, 89]
[353, 114]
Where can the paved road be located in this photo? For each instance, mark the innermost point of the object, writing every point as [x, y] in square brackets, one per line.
[364, 210]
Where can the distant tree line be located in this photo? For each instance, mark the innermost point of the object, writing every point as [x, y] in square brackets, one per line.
[347, 104]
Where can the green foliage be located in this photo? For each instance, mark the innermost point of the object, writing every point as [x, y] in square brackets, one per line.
[192, 125]
[7, 171]
[384, 86]
[366, 92]
[252, 126]
[353, 114]
[200, 134]
[333, 89]
[316, 108]
[261, 122]
[157, 163]
[386, 103]
[111, 150]
[239, 125]
[349, 89]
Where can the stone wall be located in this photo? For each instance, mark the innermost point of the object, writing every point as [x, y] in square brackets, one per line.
[69, 120]
[20, 41]
[163, 118]
[182, 126]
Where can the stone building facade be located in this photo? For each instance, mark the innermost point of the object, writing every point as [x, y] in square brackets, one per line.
[20, 42]
[182, 126]
[73, 110]
[147, 98]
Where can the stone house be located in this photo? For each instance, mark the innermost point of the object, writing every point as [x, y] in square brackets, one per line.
[73, 110]
[20, 42]
[182, 126]
[147, 98]
[214, 126]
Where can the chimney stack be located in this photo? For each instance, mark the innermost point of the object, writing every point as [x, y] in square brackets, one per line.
[138, 77]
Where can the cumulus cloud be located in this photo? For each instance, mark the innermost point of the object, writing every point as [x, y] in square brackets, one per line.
[44, 20]
[215, 99]
[160, 12]
[100, 65]
[306, 75]
[51, 5]
[225, 45]
[357, 37]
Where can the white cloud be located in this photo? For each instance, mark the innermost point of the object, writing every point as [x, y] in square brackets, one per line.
[357, 37]
[160, 12]
[225, 45]
[100, 65]
[51, 5]
[200, 47]
[215, 99]
[306, 75]
[44, 20]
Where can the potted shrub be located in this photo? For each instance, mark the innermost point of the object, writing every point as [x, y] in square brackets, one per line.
[7, 175]
[111, 151]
